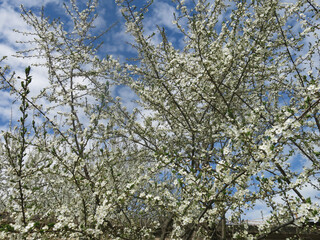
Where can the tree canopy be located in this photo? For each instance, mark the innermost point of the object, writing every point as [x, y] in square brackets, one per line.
[226, 122]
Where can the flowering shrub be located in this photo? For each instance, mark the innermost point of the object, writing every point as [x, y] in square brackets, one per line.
[218, 127]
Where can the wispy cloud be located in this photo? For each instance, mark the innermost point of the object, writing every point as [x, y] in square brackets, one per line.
[30, 3]
[9, 45]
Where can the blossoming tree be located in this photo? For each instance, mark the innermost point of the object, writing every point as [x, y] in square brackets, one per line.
[65, 164]
[231, 110]
[223, 122]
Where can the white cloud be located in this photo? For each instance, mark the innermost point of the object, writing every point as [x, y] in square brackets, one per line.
[10, 19]
[6, 107]
[8, 51]
[116, 43]
[128, 97]
[309, 191]
[30, 3]
[162, 15]
[100, 22]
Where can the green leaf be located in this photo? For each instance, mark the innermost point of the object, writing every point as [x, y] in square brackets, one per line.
[317, 153]
[27, 70]
[272, 147]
